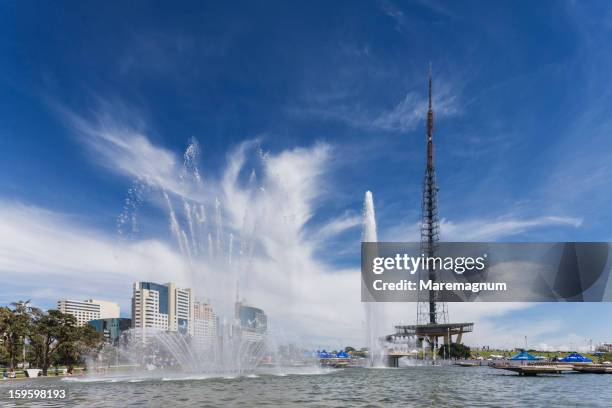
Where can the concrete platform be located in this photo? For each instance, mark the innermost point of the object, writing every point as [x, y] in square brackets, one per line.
[594, 369]
[531, 370]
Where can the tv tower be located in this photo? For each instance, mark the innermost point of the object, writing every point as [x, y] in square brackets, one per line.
[432, 315]
[429, 309]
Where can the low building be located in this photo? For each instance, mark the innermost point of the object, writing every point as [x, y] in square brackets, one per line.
[605, 347]
[108, 310]
[112, 328]
[90, 309]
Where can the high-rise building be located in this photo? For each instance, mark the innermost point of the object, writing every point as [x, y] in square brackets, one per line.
[162, 307]
[87, 310]
[181, 309]
[204, 323]
[150, 306]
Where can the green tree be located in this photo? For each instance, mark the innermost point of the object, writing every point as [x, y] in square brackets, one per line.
[456, 351]
[3, 353]
[50, 331]
[14, 327]
[86, 340]
[25, 308]
[362, 352]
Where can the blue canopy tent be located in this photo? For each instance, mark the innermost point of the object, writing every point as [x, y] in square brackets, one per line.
[523, 356]
[323, 354]
[575, 358]
[342, 354]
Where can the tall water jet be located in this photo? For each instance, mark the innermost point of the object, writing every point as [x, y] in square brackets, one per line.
[369, 219]
[374, 311]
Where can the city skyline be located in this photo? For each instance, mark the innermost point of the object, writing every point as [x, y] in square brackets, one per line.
[521, 139]
[155, 307]
[104, 309]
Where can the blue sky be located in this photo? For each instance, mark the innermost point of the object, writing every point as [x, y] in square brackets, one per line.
[521, 95]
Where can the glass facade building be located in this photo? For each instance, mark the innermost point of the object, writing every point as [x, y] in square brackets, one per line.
[111, 328]
[163, 294]
[252, 318]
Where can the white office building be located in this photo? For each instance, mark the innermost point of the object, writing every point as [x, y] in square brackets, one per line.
[204, 324]
[162, 307]
[87, 310]
[108, 310]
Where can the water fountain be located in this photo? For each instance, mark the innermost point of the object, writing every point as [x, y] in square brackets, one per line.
[217, 255]
[374, 311]
[377, 339]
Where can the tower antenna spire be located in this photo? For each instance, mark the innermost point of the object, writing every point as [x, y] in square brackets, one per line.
[430, 310]
[430, 125]
[430, 85]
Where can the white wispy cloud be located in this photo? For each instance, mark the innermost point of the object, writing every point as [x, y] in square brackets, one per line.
[41, 249]
[493, 229]
[123, 148]
[409, 23]
[482, 229]
[395, 13]
[403, 116]
[409, 112]
[339, 225]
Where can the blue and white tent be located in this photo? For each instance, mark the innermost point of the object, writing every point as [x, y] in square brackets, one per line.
[523, 356]
[575, 358]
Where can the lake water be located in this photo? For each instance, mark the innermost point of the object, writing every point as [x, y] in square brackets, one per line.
[406, 387]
